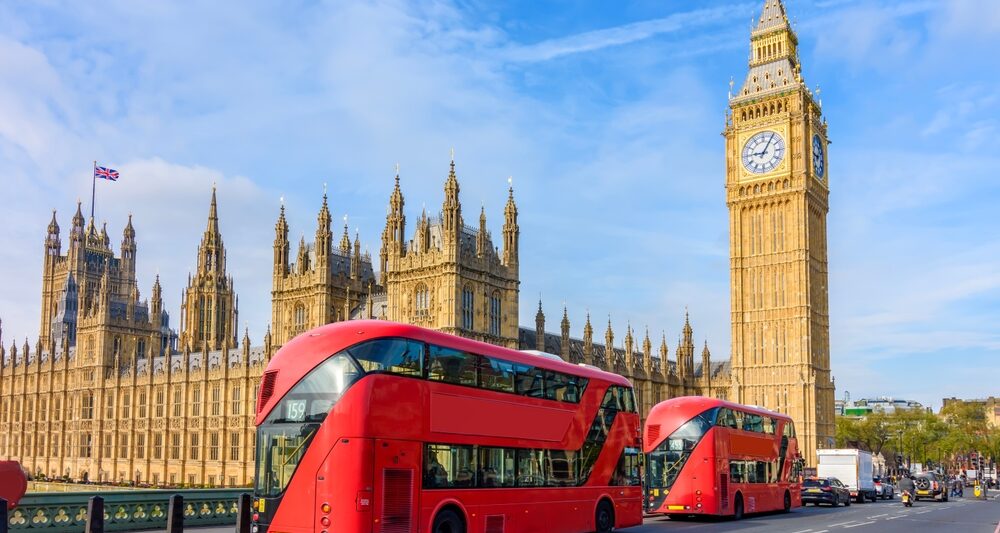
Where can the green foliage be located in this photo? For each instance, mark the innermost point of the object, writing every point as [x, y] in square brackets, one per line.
[921, 436]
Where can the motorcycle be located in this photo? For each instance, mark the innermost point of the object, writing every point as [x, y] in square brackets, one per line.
[907, 498]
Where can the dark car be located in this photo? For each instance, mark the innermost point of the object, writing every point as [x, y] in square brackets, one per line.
[825, 490]
[930, 486]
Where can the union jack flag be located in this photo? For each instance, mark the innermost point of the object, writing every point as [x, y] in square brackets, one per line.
[106, 173]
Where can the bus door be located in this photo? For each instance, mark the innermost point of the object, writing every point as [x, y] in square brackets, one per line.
[397, 485]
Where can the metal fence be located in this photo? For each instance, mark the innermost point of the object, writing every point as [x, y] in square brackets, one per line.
[95, 512]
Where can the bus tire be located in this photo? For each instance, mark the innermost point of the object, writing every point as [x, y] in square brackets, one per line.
[604, 517]
[738, 507]
[448, 521]
[788, 502]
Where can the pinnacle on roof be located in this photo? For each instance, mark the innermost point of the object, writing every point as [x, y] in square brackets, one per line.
[772, 16]
[129, 231]
[53, 224]
[213, 214]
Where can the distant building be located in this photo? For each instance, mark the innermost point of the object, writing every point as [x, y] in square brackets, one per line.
[863, 407]
[990, 406]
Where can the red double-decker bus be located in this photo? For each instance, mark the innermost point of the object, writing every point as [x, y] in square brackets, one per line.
[706, 456]
[372, 426]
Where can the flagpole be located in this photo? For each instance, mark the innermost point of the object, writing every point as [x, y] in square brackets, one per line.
[93, 189]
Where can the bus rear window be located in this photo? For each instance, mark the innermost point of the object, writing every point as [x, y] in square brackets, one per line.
[398, 356]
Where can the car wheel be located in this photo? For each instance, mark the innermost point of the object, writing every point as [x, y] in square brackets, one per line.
[788, 502]
[604, 517]
[847, 501]
[836, 502]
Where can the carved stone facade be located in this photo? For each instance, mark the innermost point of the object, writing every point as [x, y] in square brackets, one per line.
[106, 396]
[322, 285]
[654, 376]
[777, 193]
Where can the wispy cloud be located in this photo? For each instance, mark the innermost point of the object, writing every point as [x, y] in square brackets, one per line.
[624, 34]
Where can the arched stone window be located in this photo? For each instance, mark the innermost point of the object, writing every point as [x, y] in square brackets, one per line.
[468, 308]
[300, 317]
[422, 300]
[495, 313]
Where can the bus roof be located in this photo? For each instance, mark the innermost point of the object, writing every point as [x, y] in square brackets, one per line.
[670, 414]
[309, 349]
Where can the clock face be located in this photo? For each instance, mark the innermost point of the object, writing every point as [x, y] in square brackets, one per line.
[819, 160]
[763, 152]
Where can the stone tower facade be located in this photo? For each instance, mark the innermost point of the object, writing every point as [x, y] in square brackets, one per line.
[449, 276]
[209, 305]
[777, 193]
[323, 284]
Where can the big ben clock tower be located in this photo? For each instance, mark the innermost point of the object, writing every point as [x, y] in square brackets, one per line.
[777, 191]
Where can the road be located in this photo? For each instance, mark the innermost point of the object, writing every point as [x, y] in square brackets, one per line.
[956, 516]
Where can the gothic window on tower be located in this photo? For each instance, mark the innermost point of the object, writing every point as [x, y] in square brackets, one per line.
[140, 446]
[123, 446]
[495, 313]
[213, 446]
[196, 401]
[87, 406]
[236, 400]
[178, 402]
[159, 402]
[422, 301]
[216, 400]
[300, 318]
[468, 301]
[142, 404]
[109, 407]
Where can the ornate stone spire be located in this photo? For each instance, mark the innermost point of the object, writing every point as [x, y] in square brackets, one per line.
[588, 342]
[647, 353]
[345, 240]
[540, 328]
[324, 237]
[564, 337]
[511, 231]
[281, 246]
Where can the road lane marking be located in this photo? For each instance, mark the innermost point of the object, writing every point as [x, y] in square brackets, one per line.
[894, 517]
[878, 516]
[861, 524]
[803, 531]
[842, 523]
[997, 530]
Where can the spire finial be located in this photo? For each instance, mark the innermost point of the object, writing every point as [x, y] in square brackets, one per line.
[324, 190]
[452, 155]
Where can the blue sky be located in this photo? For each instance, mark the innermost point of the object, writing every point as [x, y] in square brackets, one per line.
[606, 114]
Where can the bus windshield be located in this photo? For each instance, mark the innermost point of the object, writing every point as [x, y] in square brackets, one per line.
[284, 436]
[666, 461]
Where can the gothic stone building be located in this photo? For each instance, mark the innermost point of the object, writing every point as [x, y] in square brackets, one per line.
[777, 190]
[107, 396]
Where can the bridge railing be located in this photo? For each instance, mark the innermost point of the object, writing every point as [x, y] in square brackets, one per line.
[127, 510]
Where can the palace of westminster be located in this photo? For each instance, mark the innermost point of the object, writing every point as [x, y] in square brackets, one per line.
[110, 392]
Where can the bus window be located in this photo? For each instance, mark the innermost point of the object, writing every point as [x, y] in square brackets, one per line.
[753, 422]
[575, 388]
[452, 366]
[769, 425]
[497, 375]
[555, 386]
[390, 355]
[496, 467]
[667, 460]
[789, 430]
[529, 468]
[727, 418]
[530, 381]
[629, 467]
[562, 468]
[449, 466]
[628, 399]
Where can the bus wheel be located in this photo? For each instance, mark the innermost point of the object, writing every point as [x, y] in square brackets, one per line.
[448, 521]
[738, 508]
[788, 502]
[604, 518]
